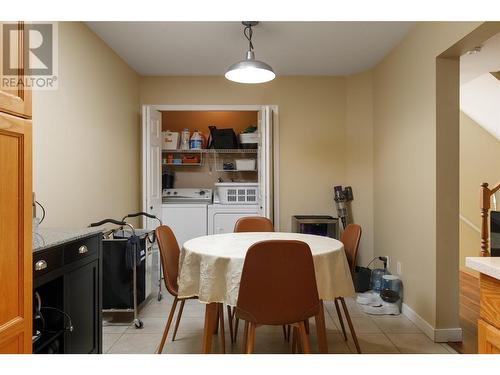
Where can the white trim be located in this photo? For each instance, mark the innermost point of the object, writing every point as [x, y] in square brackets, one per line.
[144, 116]
[418, 320]
[448, 335]
[208, 107]
[276, 168]
[469, 223]
[435, 334]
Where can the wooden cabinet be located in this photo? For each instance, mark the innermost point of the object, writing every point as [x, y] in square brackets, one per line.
[15, 99]
[15, 206]
[15, 234]
[489, 322]
[488, 338]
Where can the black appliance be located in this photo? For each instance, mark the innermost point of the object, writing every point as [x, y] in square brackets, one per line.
[320, 225]
[495, 233]
[222, 138]
[167, 178]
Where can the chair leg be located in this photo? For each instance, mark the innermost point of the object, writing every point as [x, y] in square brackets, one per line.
[351, 327]
[245, 337]
[341, 320]
[294, 339]
[221, 323]
[178, 320]
[236, 322]
[306, 324]
[230, 322]
[167, 327]
[216, 328]
[303, 338]
[251, 338]
[288, 331]
[284, 333]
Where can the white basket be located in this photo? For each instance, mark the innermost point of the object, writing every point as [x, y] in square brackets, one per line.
[245, 164]
[170, 140]
[238, 192]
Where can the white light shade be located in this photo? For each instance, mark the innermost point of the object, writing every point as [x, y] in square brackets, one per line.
[250, 71]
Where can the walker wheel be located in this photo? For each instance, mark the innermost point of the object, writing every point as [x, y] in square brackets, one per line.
[138, 324]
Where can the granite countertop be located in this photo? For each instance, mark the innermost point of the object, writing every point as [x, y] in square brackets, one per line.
[44, 238]
[487, 265]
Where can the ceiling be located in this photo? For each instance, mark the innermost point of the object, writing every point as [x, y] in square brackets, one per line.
[488, 60]
[291, 48]
[479, 89]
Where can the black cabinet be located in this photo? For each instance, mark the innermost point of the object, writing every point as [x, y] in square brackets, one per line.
[80, 299]
[71, 283]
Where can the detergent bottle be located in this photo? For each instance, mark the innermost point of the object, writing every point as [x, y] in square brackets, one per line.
[196, 141]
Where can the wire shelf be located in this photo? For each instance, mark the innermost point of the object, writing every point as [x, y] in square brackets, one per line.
[213, 151]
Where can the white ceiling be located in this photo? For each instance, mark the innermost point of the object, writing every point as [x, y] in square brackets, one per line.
[480, 99]
[291, 48]
[488, 60]
[479, 90]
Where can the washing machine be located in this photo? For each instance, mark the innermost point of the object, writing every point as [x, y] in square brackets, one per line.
[185, 212]
[222, 217]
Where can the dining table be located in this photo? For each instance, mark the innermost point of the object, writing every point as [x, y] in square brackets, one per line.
[210, 269]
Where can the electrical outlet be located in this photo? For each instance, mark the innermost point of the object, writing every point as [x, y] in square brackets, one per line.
[398, 268]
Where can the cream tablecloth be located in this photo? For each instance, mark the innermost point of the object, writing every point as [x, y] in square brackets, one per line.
[210, 266]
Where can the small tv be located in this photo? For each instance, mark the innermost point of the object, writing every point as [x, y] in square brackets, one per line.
[495, 233]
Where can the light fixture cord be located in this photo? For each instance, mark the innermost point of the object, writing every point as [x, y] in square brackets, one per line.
[248, 34]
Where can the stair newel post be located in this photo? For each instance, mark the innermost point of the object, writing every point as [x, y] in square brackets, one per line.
[485, 208]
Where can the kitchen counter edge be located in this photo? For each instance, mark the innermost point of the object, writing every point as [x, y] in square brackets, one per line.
[44, 238]
[486, 265]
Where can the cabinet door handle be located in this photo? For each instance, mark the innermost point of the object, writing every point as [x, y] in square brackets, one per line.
[83, 249]
[40, 265]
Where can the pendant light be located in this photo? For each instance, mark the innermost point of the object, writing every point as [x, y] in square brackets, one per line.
[250, 70]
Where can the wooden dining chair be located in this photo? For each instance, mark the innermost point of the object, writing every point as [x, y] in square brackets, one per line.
[250, 224]
[277, 287]
[169, 253]
[253, 224]
[350, 238]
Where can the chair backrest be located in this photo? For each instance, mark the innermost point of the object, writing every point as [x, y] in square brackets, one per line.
[254, 224]
[350, 238]
[278, 283]
[169, 252]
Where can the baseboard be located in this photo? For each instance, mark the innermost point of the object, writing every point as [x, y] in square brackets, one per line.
[448, 335]
[435, 334]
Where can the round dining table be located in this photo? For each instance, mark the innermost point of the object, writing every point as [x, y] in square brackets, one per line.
[210, 269]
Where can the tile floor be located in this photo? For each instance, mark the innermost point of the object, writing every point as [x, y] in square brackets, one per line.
[376, 334]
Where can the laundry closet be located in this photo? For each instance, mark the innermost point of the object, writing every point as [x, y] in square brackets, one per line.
[204, 167]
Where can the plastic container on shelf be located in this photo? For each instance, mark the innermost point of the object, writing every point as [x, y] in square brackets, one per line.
[170, 140]
[245, 164]
[185, 139]
[196, 141]
[249, 140]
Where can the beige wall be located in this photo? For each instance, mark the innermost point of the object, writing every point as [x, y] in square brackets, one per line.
[405, 162]
[359, 157]
[86, 134]
[325, 127]
[311, 129]
[479, 162]
[324, 136]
